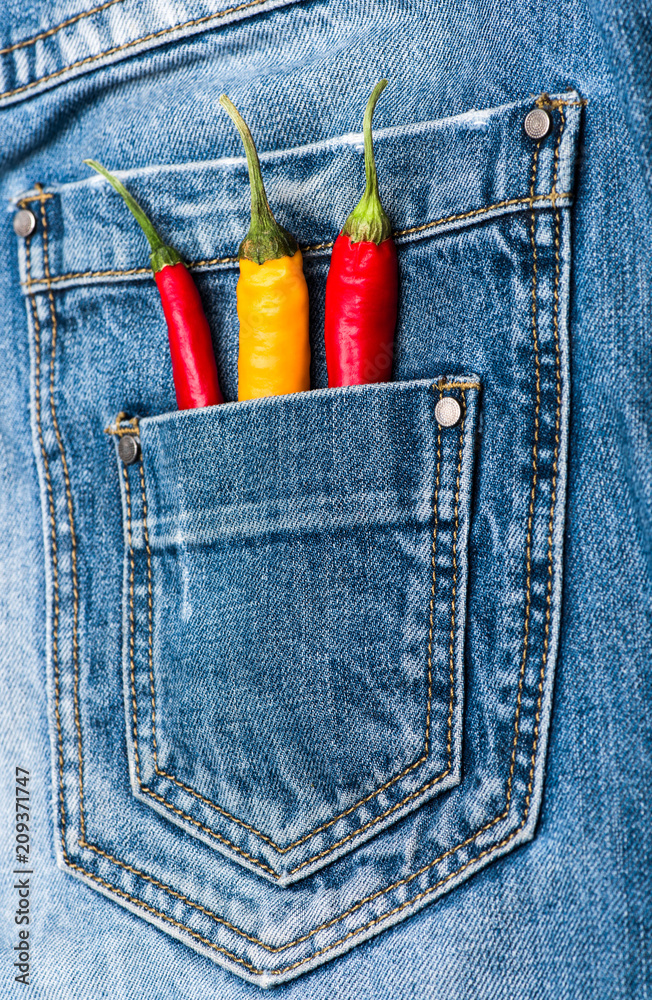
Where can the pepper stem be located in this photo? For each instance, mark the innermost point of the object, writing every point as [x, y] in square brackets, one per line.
[368, 221]
[265, 240]
[161, 255]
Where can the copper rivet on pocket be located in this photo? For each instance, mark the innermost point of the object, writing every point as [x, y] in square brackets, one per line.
[448, 411]
[128, 449]
[537, 123]
[24, 223]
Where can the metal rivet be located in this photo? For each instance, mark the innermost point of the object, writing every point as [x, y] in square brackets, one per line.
[538, 123]
[24, 223]
[129, 449]
[448, 411]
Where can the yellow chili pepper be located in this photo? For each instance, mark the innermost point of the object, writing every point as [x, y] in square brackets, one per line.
[274, 350]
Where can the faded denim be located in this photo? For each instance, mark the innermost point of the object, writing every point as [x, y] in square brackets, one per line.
[287, 684]
[280, 556]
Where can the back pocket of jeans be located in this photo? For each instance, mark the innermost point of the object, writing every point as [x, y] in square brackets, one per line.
[294, 592]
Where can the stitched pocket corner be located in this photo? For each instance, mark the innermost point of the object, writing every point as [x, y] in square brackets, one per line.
[295, 583]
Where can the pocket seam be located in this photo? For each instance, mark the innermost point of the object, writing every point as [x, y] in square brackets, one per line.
[525, 202]
[441, 385]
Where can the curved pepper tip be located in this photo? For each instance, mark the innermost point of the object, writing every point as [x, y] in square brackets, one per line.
[266, 239]
[368, 222]
[161, 255]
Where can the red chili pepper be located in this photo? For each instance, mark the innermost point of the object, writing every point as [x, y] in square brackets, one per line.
[191, 348]
[362, 285]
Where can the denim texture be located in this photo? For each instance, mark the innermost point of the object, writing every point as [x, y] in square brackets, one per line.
[295, 581]
[284, 825]
[287, 684]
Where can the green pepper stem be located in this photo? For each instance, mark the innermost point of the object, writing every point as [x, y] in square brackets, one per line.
[153, 237]
[369, 159]
[161, 255]
[265, 239]
[368, 221]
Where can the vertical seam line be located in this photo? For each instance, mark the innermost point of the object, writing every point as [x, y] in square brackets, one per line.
[53, 544]
[69, 505]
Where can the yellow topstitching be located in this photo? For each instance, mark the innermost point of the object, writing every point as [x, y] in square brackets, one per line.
[53, 31]
[129, 45]
[526, 202]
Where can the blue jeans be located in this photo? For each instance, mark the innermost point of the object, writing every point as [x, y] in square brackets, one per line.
[320, 694]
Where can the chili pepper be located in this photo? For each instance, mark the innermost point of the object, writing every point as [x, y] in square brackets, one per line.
[272, 295]
[362, 284]
[193, 362]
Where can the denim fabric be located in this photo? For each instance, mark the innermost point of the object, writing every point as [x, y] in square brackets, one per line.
[287, 684]
[258, 521]
[296, 579]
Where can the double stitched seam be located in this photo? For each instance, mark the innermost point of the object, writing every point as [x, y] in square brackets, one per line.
[473, 213]
[94, 274]
[54, 551]
[555, 326]
[129, 426]
[69, 503]
[424, 893]
[451, 648]
[535, 478]
[129, 45]
[59, 27]
[411, 767]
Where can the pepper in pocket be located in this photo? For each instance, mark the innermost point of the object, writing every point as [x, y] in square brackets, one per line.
[272, 295]
[194, 368]
[362, 284]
